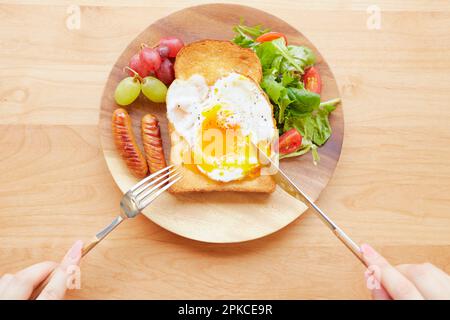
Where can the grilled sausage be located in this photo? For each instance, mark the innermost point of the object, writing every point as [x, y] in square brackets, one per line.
[126, 143]
[151, 139]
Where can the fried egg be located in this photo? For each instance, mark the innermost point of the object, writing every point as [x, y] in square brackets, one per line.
[220, 123]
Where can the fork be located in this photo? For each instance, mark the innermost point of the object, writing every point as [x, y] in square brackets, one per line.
[137, 199]
[132, 203]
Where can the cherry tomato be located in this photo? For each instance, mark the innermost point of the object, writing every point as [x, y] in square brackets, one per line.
[312, 80]
[289, 141]
[174, 45]
[269, 36]
[151, 58]
[165, 73]
[137, 65]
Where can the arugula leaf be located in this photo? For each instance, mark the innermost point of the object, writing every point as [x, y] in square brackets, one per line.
[313, 126]
[315, 154]
[245, 36]
[329, 105]
[303, 101]
[253, 32]
[268, 51]
[304, 149]
[304, 56]
[321, 128]
[277, 93]
[289, 80]
[273, 89]
[243, 41]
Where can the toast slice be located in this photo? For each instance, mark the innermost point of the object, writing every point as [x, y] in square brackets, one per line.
[214, 59]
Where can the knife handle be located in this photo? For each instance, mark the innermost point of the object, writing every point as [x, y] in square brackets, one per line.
[349, 243]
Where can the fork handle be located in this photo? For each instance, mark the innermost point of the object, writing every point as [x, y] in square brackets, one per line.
[86, 248]
[101, 235]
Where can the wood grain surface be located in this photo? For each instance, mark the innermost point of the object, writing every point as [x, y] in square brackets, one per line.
[391, 187]
[223, 217]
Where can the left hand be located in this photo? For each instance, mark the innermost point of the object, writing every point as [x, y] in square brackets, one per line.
[21, 285]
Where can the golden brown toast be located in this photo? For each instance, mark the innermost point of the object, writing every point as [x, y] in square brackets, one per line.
[214, 59]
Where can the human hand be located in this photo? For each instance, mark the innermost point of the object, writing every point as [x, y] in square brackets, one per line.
[21, 285]
[405, 281]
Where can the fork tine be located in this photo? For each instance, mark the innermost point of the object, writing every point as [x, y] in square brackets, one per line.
[155, 195]
[140, 183]
[153, 188]
[154, 181]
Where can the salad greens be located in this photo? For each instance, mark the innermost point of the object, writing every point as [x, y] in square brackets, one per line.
[245, 36]
[295, 107]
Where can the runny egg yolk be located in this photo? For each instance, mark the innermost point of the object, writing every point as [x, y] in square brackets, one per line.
[226, 153]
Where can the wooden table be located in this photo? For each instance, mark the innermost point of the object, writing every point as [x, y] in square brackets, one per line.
[391, 187]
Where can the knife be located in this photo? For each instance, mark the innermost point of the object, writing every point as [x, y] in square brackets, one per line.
[291, 188]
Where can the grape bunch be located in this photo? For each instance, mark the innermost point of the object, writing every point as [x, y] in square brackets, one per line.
[150, 71]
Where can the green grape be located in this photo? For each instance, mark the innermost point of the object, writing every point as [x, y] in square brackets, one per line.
[127, 91]
[154, 89]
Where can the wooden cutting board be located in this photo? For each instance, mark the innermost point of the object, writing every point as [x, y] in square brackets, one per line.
[220, 217]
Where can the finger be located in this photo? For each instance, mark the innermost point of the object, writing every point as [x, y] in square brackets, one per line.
[441, 272]
[428, 279]
[376, 289]
[56, 288]
[22, 284]
[8, 289]
[395, 283]
[380, 294]
[6, 280]
[36, 273]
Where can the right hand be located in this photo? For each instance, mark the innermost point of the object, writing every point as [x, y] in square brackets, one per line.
[405, 281]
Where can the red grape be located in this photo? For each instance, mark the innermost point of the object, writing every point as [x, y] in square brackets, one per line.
[137, 65]
[165, 73]
[163, 51]
[174, 45]
[150, 57]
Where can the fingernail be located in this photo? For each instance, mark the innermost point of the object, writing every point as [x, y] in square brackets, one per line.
[368, 251]
[75, 252]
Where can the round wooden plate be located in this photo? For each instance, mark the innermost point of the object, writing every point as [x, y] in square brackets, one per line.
[220, 217]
